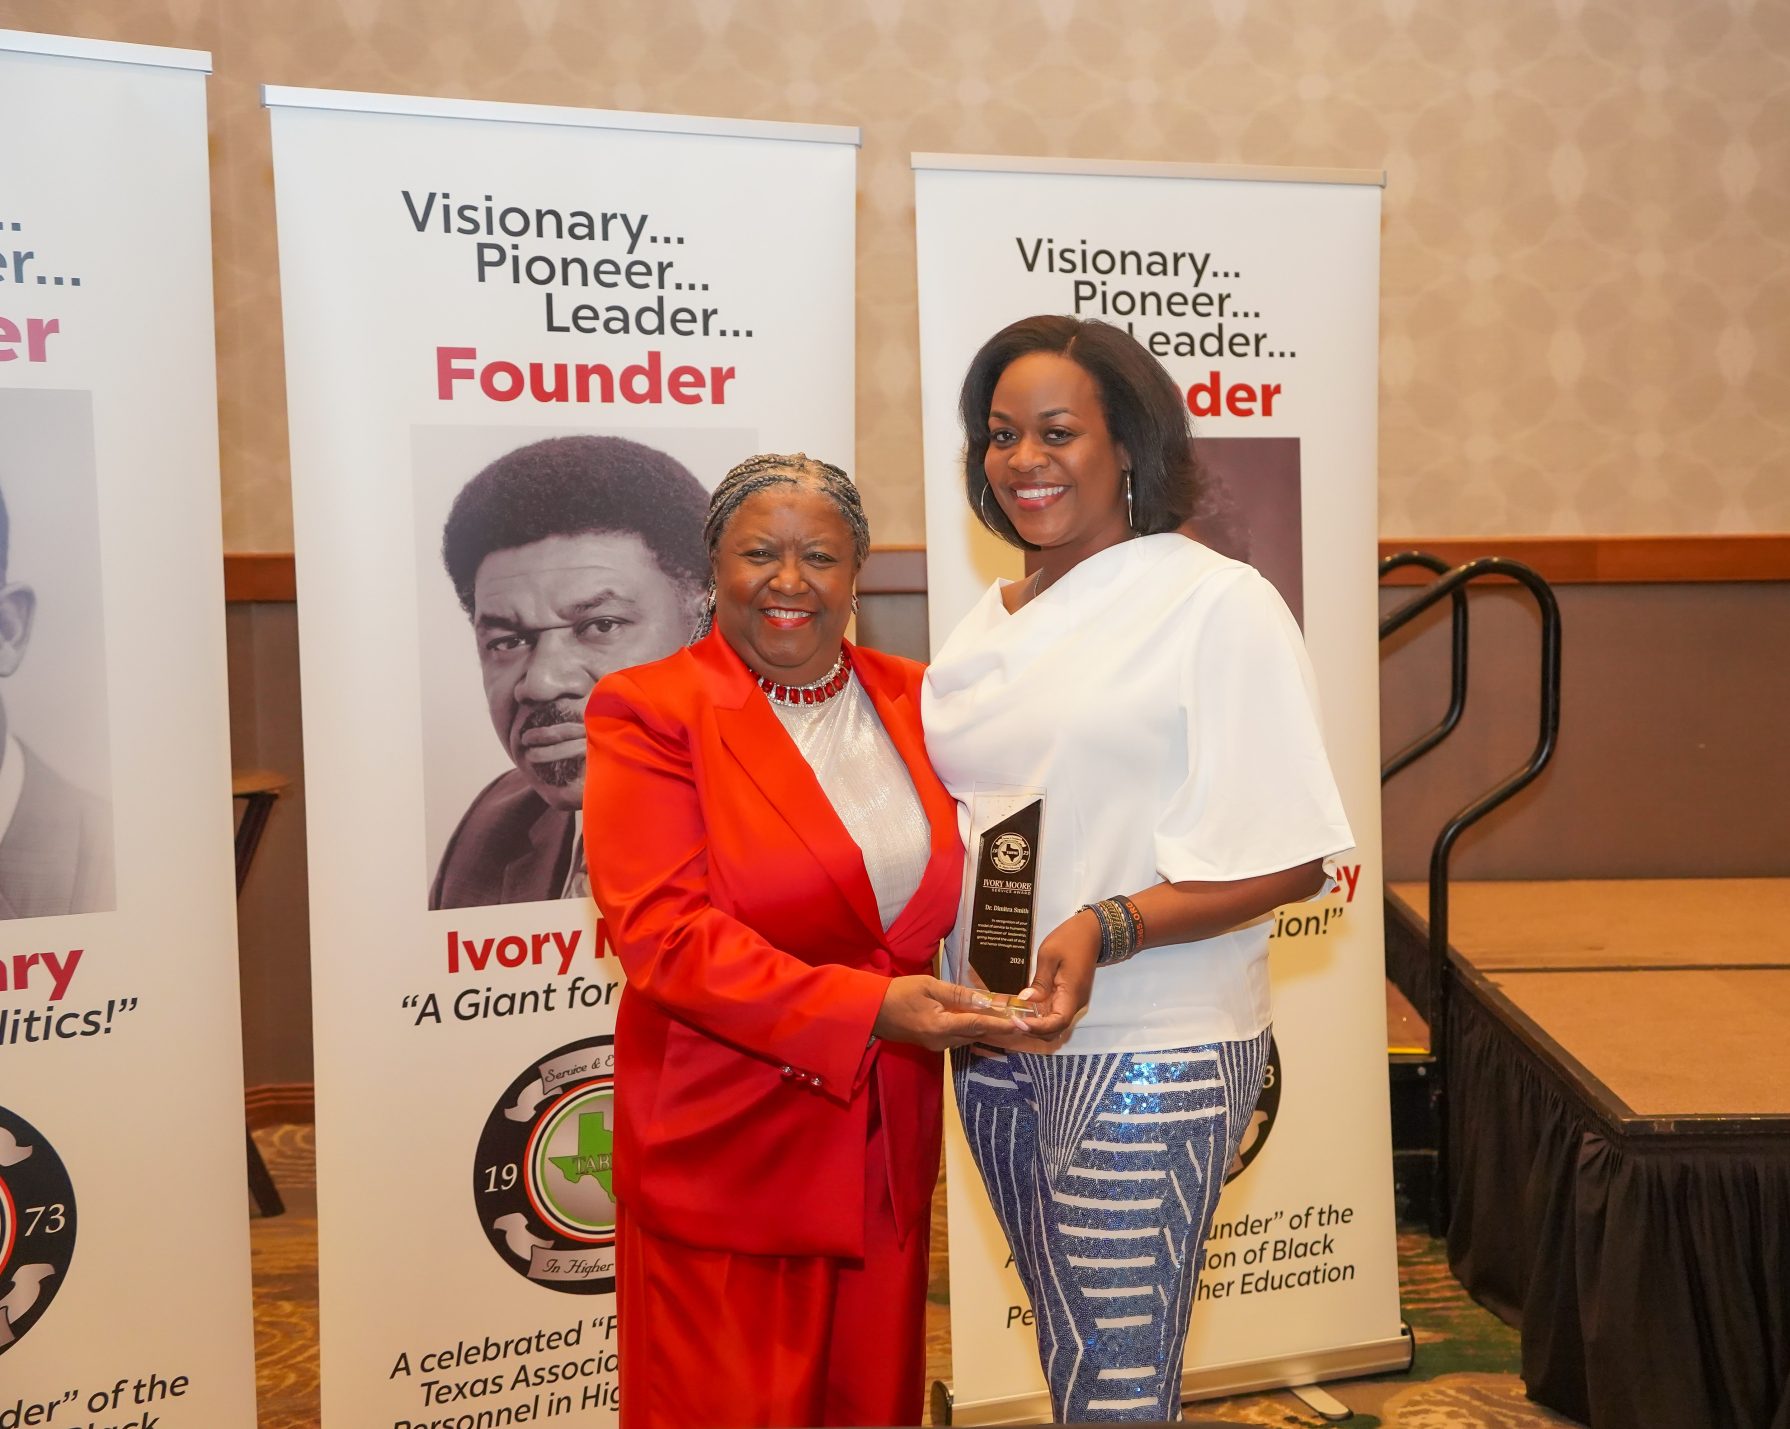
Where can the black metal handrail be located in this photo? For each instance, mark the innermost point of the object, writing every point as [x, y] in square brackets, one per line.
[1453, 585]
[1457, 679]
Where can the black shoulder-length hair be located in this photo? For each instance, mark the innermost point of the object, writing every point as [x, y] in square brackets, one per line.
[564, 486]
[1144, 411]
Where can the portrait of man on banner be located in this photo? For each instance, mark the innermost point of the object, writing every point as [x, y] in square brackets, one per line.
[570, 557]
[56, 853]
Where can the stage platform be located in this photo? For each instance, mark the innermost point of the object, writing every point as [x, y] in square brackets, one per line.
[1618, 1134]
[1705, 1031]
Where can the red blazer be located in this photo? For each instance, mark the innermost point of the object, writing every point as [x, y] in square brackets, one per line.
[756, 961]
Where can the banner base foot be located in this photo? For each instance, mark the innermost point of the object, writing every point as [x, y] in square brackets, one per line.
[1322, 1403]
[1394, 1353]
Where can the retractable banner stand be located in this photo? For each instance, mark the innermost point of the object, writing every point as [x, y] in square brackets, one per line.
[124, 1272]
[1259, 291]
[522, 345]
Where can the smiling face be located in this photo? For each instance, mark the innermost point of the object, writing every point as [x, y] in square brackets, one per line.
[551, 619]
[784, 568]
[1053, 466]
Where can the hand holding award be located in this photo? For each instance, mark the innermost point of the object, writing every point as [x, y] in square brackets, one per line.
[1064, 976]
[992, 954]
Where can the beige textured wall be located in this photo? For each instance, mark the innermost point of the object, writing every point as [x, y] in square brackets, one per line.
[1587, 237]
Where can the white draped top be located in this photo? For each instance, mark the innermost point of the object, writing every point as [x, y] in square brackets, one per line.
[1160, 695]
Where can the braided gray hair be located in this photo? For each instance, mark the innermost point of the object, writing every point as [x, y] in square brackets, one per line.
[760, 473]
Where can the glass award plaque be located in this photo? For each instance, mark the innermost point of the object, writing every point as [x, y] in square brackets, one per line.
[992, 946]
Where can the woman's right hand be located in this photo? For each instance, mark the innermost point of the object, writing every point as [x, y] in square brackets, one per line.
[934, 1014]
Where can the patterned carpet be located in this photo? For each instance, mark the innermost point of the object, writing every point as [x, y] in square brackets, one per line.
[1465, 1373]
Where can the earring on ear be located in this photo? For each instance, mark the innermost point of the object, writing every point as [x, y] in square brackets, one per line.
[982, 507]
[1130, 524]
[854, 602]
[705, 614]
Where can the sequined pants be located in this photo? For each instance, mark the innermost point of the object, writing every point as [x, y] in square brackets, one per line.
[1104, 1171]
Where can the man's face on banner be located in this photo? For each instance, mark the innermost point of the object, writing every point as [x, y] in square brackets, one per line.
[551, 619]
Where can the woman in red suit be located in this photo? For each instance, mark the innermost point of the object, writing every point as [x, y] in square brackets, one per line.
[777, 863]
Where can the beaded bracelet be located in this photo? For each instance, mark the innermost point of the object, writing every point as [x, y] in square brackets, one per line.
[1104, 955]
[1121, 929]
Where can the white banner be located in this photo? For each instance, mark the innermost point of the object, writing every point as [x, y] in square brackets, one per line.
[522, 345]
[124, 1275]
[1259, 291]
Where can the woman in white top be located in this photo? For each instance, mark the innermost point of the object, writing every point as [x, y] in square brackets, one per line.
[1160, 696]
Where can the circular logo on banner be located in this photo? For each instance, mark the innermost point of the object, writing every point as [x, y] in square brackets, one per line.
[1261, 1120]
[37, 1226]
[1011, 853]
[544, 1181]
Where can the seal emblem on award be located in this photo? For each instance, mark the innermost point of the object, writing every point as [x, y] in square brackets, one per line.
[1261, 1120]
[37, 1226]
[1010, 853]
[544, 1178]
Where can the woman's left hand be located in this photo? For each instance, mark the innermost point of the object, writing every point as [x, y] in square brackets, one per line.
[1064, 976]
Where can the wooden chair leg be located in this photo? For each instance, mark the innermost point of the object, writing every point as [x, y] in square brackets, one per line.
[261, 1186]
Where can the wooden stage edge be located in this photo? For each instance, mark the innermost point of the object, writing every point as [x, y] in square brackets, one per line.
[1564, 560]
[1664, 1003]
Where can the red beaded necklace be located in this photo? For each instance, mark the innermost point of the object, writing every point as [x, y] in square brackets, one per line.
[820, 691]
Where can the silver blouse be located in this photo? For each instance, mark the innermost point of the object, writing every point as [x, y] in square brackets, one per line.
[871, 790]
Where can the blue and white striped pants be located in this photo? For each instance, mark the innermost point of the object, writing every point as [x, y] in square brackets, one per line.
[1104, 1171]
